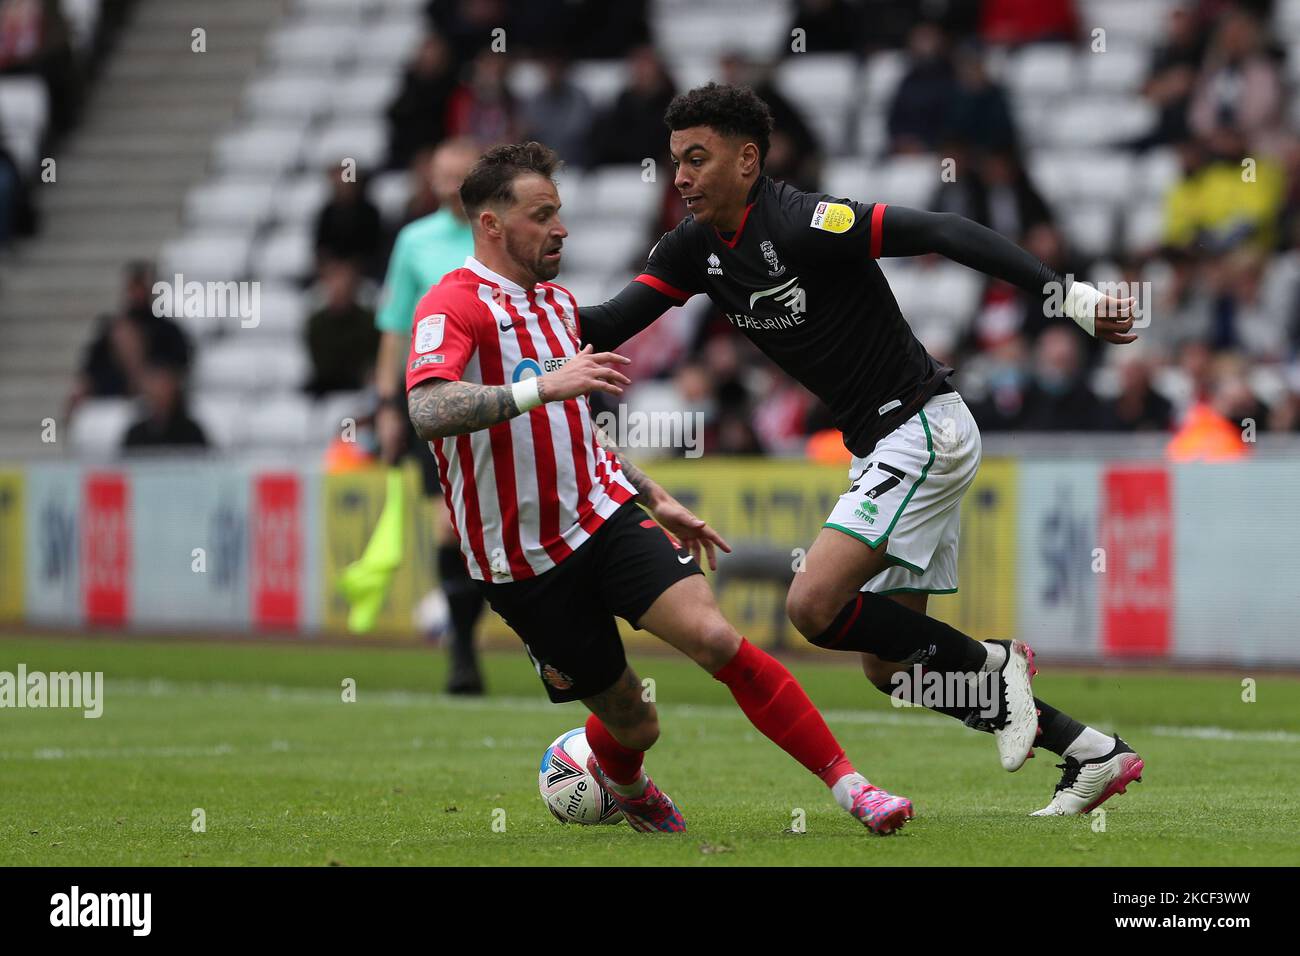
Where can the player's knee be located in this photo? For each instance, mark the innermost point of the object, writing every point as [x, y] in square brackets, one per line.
[716, 644]
[880, 673]
[809, 612]
[640, 735]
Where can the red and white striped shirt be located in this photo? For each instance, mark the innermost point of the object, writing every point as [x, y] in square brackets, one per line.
[526, 493]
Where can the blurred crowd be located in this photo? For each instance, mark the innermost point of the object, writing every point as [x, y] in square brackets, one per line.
[1225, 314]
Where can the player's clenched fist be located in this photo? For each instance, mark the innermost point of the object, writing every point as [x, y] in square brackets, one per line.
[583, 374]
[1114, 320]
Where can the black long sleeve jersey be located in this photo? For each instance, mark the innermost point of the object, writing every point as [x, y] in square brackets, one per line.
[799, 278]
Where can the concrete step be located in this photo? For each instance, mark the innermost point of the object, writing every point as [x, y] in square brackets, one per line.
[160, 147]
[79, 199]
[175, 93]
[211, 14]
[110, 251]
[230, 66]
[199, 121]
[118, 173]
[90, 279]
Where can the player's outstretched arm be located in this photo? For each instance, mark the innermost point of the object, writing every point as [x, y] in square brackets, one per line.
[915, 232]
[672, 515]
[442, 407]
[613, 322]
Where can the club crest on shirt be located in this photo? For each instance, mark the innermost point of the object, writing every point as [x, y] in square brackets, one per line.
[774, 267]
[833, 217]
[429, 331]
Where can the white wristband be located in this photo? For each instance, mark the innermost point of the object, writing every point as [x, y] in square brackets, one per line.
[1081, 305]
[527, 396]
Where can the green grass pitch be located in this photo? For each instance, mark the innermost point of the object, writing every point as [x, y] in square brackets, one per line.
[287, 773]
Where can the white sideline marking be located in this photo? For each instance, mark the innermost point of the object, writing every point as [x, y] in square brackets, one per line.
[425, 699]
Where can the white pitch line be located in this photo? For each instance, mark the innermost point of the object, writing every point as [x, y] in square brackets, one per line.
[428, 699]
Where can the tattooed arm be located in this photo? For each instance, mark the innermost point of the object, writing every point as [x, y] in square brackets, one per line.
[442, 407]
[672, 515]
[439, 407]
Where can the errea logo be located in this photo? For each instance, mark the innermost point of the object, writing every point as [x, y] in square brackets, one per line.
[715, 264]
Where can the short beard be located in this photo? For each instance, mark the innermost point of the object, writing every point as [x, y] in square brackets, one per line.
[537, 270]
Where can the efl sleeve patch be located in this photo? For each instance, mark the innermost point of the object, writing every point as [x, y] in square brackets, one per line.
[429, 332]
[833, 217]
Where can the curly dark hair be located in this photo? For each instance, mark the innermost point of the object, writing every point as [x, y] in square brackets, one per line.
[492, 177]
[729, 110]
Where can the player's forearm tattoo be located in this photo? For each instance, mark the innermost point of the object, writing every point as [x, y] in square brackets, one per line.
[639, 479]
[440, 408]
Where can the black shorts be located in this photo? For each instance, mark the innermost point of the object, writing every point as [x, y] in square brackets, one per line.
[565, 616]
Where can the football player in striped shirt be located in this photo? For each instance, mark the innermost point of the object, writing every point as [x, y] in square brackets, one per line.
[549, 520]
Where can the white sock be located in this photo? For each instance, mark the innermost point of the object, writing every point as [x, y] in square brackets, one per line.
[997, 657]
[842, 789]
[1090, 745]
[633, 789]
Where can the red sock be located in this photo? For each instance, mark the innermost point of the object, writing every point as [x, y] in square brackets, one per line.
[621, 764]
[775, 703]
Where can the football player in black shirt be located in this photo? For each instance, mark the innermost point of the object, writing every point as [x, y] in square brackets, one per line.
[795, 272]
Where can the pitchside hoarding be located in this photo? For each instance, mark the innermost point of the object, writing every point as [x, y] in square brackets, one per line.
[1087, 560]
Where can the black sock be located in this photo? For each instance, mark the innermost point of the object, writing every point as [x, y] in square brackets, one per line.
[898, 634]
[1056, 730]
[957, 713]
[465, 604]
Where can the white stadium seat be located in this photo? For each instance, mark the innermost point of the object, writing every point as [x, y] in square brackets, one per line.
[1042, 70]
[313, 43]
[390, 191]
[207, 256]
[364, 140]
[817, 79]
[391, 41]
[298, 201]
[601, 80]
[364, 92]
[1120, 69]
[283, 310]
[330, 410]
[1097, 121]
[883, 73]
[286, 253]
[851, 178]
[221, 417]
[289, 93]
[100, 424]
[267, 148]
[1089, 229]
[620, 192]
[279, 421]
[905, 181]
[230, 201]
[1159, 171]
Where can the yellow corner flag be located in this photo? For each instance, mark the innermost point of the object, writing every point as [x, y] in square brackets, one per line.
[365, 582]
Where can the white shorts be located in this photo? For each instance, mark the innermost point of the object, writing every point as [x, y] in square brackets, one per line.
[908, 493]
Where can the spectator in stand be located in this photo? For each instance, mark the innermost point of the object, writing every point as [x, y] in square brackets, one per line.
[993, 189]
[166, 422]
[34, 40]
[560, 114]
[1058, 398]
[1172, 77]
[349, 226]
[341, 336]
[632, 129]
[979, 114]
[417, 117]
[1017, 22]
[421, 200]
[126, 341]
[794, 154]
[468, 24]
[1006, 382]
[1215, 208]
[482, 107]
[918, 114]
[829, 26]
[1138, 407]
[1239, 90]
